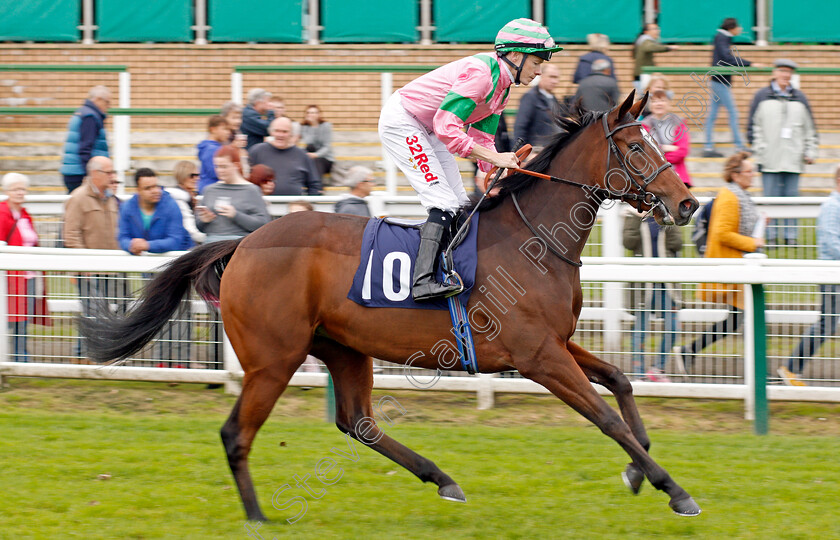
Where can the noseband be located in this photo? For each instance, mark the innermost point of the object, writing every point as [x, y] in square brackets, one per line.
[641, 194]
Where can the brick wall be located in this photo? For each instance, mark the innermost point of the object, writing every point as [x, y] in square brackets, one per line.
[199, 76]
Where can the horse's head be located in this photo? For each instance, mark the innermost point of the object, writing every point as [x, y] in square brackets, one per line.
[637, 169]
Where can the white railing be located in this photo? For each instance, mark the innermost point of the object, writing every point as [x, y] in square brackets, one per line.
[756, 272]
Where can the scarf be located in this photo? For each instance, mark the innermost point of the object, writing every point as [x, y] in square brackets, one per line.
[746, 208]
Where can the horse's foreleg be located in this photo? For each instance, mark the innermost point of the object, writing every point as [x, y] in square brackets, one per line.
[260, 391]
[557, 370]
[614, 380]
[352, 374]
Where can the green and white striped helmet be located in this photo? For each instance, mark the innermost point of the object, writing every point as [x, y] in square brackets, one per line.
[527, 36]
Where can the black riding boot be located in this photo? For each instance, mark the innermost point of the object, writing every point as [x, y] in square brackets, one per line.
[432, 233]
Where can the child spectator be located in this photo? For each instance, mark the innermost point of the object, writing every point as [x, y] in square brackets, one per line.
[218, 134]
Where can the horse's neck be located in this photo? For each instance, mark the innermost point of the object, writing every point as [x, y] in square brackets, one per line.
[563, 213]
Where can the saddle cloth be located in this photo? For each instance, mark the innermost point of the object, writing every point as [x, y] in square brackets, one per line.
[386, 270]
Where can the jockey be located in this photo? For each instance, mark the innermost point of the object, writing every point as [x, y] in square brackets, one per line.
[422, 125]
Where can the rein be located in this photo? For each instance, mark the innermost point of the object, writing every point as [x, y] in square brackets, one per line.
[642, 195]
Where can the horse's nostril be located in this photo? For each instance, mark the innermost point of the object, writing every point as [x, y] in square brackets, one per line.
[688, 207]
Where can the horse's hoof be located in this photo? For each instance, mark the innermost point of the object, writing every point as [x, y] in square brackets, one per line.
[452, 492]
[633, 478]
[685, 507]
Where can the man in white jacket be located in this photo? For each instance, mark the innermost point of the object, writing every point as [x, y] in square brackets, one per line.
[783, 135]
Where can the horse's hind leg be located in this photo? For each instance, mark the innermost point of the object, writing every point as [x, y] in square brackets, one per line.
[260, 390]
[352, 374]
[612, 378]
[557, 370]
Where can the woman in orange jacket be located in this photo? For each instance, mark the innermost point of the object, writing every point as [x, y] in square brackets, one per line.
[734, 216]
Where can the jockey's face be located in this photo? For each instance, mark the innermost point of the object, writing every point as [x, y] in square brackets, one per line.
[531, 69]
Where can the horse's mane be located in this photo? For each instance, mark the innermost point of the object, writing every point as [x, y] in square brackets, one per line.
[570, 125]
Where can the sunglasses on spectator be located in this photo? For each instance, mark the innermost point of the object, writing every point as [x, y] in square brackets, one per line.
[194, 175]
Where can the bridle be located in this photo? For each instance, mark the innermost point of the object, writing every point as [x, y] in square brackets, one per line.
[640, 194]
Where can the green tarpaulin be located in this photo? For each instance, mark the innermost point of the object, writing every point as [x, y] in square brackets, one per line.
[371, 21]
[40, 20]
[697, 22]
[146, 20]
[569, 21]
[475, 21]
[806, 21]
[278, 21]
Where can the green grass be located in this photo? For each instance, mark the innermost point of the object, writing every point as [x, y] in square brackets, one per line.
[530, 468]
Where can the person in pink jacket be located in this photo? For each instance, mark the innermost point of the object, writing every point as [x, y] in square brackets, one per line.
[423, 124]
[670, 132]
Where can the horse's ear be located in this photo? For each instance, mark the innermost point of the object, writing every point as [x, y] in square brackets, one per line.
[625, 107]
[639, 106]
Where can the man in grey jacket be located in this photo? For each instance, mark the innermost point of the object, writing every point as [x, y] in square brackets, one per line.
[360, 180]
[598, 91]
[783, 135]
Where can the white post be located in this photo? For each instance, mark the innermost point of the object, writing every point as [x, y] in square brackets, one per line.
[387, 88]
[761, 23]
[650, 11]
[613, 292]
[313, 27]
[200, 22]
[236, 87]
[425, 22]
[538, 11]
[122, 132]
[4, 319]
[87, 26]
[231, 365]
[484, 393]
[749, 354]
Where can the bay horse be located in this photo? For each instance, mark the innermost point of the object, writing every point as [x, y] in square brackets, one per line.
[283, 295]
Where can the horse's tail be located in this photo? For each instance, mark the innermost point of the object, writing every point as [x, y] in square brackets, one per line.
[109, 336]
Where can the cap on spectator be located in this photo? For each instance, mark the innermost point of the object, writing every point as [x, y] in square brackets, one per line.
[357, 175]
[785, 63]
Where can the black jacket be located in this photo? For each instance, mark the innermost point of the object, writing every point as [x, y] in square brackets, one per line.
[722, 56]
[535, 119]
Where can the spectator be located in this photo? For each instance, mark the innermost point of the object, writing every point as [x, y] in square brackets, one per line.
[783, 136]
[278, 106]
[361, 182]
[25, 290]
[218, 134]
[598, 91]
[231, 111]
[299, 206]
[232, 207]
[657, 81]
[317, 136]
[828, 248]
[720, 86]
[670, 133]
[537, 109]
[263, 177]
[599, 44]
[646, 45]
[186, 178]
[85, 137]
[731, 226]
[91, 216]
[92, 211]
[151, 220]
[256, 117]
[293, 169]
[645, 238]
